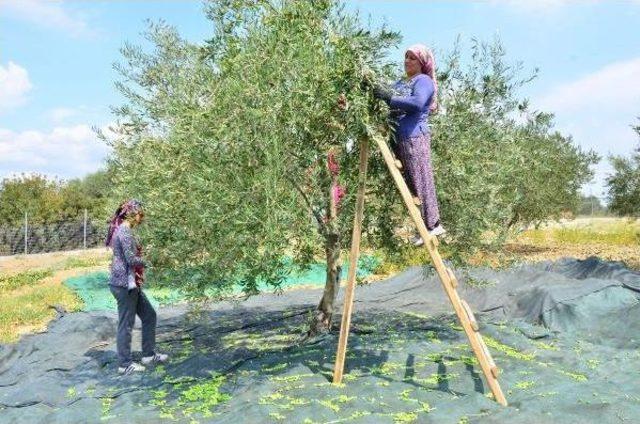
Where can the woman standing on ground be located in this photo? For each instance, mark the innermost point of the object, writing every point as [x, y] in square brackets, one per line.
[125, 283]
[411, 101]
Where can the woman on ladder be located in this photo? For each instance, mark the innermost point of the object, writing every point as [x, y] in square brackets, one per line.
[412, 100]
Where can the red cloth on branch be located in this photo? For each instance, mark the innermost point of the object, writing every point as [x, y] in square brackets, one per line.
[332, 164]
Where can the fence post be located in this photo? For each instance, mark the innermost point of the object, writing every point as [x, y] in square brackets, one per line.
[26, 231]
[84, 244]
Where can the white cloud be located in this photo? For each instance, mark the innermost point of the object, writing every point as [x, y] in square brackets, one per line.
[598, 110]
[615, 85]
[48, 14]
[60, 115]
[64, 152]
[14, 86]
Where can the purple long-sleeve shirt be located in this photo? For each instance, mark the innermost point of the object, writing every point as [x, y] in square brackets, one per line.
[410, 106]
[125, 258]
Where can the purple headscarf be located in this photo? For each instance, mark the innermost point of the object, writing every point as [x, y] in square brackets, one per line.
[428, 66]
[128, 208]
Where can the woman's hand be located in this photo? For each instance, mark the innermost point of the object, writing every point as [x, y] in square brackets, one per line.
[382, 92]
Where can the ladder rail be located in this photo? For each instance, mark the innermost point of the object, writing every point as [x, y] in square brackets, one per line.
[338, 368]
[446, 275]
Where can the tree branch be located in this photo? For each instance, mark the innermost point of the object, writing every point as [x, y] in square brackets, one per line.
[322, 226]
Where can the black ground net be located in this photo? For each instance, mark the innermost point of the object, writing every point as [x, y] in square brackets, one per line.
[565, 335]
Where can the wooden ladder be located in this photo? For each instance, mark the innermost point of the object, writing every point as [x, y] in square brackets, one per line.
[447, 277]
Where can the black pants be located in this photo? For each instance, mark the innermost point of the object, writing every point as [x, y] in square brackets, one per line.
[132, 303]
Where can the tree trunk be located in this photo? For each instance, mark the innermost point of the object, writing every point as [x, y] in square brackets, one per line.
[514, 220]
[321, 322]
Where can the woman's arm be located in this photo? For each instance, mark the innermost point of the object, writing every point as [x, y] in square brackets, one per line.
[422, 91]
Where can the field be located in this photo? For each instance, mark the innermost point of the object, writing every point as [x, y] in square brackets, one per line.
[408, 361]
[30, 286]
[612, 239]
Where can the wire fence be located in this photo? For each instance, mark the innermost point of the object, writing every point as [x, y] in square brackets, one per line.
[81, 233]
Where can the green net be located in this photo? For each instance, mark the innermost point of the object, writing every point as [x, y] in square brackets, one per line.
[94, 291]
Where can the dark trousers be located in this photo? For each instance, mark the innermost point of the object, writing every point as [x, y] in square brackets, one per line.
[132, 303]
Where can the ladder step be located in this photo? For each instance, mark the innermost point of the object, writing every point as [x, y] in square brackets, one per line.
[472, 318]
[452, 278]
[495, 371]
[398, 164]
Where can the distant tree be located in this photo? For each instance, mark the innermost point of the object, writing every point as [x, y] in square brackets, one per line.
[624, 184]
[47, 200]
[91, 192]
[35, 195]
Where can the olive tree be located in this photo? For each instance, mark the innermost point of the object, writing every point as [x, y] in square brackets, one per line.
[227, 142]
[498, 163]
[234, 144]
[624, 184]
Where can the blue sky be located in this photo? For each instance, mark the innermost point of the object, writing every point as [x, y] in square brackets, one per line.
[56, 75]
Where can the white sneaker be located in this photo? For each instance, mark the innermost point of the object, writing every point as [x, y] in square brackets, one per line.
[157, 358]
[417, 241]
[438, 231]
[134, 367]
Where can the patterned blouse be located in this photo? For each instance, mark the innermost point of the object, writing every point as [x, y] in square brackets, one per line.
[125, 258]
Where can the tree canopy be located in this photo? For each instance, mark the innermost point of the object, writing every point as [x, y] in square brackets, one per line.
[624, 184]
[48, 200]
[226, 142]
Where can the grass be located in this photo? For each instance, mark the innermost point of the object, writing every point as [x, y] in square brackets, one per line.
[84, 262]
[404, 257]
[616, 233]
[31, 285]
[612, 239]
[30, 310]
[28, 278]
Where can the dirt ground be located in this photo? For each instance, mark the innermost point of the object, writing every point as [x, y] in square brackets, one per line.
[587, 221]
[550, 249]
[630, 255]
[20, 263]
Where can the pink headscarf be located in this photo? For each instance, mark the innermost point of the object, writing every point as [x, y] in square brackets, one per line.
[128, 208]
[428, 66]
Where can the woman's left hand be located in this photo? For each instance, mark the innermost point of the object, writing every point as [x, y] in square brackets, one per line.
[383, 93]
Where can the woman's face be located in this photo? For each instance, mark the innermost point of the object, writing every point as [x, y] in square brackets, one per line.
[138, 218]
[411, 64]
